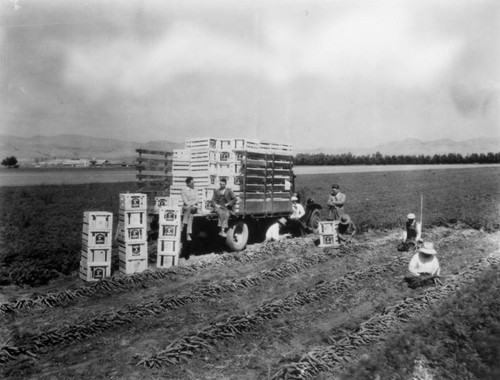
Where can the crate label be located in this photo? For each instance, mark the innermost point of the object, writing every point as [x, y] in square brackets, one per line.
[135, 233]
[99, 238]
[169, 231]
[98, 273]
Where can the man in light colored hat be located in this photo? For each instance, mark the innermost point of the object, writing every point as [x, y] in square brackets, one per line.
[425, 261]
[295, 224]
[346, 229]
[273, 232]
[411, 235]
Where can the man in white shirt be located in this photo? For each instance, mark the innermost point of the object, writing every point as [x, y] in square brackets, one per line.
[297, 226]
[273, 232]
[425, 261]
[190, 205]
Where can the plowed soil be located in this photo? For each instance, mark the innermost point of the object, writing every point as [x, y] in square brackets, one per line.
[282, 310]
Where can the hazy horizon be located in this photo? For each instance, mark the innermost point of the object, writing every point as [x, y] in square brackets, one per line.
[311, 73]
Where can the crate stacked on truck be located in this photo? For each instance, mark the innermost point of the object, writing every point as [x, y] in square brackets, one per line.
[154, 171]
[259, 172]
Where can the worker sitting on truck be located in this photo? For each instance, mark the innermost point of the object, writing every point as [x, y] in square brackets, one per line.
[222, 202]
[190, 205]
[296, 225]
[273, 232]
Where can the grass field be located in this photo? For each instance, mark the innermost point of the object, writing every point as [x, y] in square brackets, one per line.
[283, 310]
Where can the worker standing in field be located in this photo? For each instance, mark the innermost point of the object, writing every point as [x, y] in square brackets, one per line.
[190, 203]
[411, 235]
[346, 229]
[335, 203]
[425, 261]
[273, 232]
[222, 202]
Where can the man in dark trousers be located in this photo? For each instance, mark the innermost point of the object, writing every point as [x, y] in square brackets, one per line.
[222, 202]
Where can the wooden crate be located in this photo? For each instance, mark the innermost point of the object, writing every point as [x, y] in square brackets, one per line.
[96, 255]
[97, 220]
[170, 230]
[327, 227]
[92, 273]
[133, 201]
[132, 266]
[166, 261]
[170, 215]
[131, 234]
[133, 218]
[97, 238]
[169, 246]
[133, 250]
[328, 240]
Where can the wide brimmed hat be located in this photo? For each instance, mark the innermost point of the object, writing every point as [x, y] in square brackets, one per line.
[411, 216]
[428, 248]
[345, 219]
[294, 198]
[282, 221]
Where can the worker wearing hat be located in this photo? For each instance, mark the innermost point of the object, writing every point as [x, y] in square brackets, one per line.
[411, 235]
[295, 224]
[335, 203]
[346, 229]
[273, 232]
[425, 261]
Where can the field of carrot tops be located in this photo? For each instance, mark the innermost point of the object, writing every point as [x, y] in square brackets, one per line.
[285, 310]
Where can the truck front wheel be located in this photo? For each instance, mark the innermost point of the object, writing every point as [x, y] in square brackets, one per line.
[237, 236]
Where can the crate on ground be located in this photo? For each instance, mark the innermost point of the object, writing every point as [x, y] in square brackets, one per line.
[167, 261]
[133, 218]
[97, 220]
[133, 201]
[132, 266]
[328, 240]
[133, 250]
[94, 272]
[327, 227]
[166, 201]
[170, 230]
[97, 255]
[170, 215]
[169, 246]
[131, 234]
[97, 238]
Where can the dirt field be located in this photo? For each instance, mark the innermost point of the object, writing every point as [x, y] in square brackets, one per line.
[282, 310]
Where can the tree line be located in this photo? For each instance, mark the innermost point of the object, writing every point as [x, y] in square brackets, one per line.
[380, 159]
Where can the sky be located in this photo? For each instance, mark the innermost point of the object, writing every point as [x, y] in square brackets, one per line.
[345, 73]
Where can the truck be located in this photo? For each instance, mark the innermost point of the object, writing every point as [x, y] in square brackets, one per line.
[259, 173]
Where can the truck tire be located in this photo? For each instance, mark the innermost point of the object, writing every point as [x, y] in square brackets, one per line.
[313, 222]
[237, 236]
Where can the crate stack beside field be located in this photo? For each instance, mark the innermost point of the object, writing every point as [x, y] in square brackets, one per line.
[132, 233]
[95, 263]
[208, 160]
[328, 236]
[169, 234]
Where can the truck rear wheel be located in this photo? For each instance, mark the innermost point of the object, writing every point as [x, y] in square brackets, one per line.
[237, 236]
[314, 221]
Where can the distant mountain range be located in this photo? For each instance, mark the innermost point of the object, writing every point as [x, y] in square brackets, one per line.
[77, 146]
[417, 147]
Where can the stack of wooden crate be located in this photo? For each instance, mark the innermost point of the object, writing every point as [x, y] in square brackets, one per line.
[95, 261]
[132, 233]
[208, 160]
[328, 234]
[169, 234]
